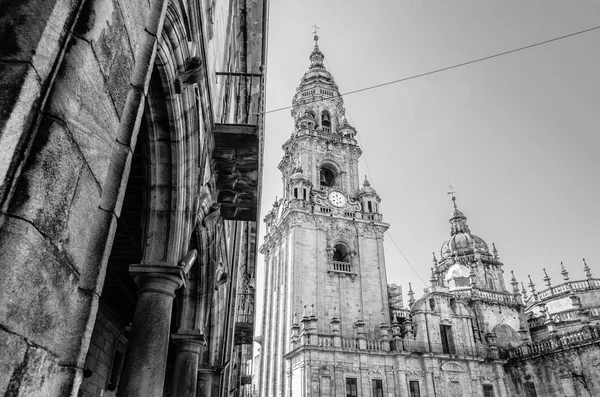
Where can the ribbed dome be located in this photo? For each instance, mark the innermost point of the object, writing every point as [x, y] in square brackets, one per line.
[463, 244]
[462, 241]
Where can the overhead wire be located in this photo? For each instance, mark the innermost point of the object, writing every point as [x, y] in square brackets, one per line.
[372, 180]
[372, 87]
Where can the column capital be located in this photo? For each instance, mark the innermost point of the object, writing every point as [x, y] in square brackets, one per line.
[191, 343]
[157, 277]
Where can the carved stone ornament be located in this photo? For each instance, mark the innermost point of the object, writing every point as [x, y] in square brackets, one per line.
[455, 389]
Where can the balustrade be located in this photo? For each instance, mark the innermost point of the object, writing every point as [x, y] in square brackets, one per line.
[550, 345]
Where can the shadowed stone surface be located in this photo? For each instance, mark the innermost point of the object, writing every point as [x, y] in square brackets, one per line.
[82, 101]
[40, 299]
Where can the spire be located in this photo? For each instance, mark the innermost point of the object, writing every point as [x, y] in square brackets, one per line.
[514, 283]
[495, 251]
[523, 291]
[316, 57]
[433, 279]
[586, 269]
[532, 287]
[366, 182]
[411, 295]
[435, 261]
[547, 278]
[564, 271]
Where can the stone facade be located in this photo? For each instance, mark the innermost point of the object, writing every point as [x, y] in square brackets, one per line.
[129, 190]
[333, 327]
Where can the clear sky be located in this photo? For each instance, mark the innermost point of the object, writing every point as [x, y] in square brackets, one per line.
[517, 136]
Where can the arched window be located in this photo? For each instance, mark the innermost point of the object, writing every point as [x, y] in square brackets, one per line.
[341, 253]
[327, 176]
[326, 120]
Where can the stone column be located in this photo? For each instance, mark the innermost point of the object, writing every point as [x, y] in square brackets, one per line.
[205, 382]
[402, 383]
[186, 364]
[429, 384]
[145, 366]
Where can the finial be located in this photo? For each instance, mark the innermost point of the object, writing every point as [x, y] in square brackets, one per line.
[452, 192]
[315, 37]
[495, 251]
[394, 318]
[586, 269]
[411, 295]
[564, 272]
[366, 182]
[531, 284]
[305, 314]
[523, 291]
[514, 283]
[433, 279]
[547, 278]
[435, 262]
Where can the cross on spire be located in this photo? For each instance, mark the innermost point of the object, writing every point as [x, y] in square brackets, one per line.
[315, 37]
[452, 192]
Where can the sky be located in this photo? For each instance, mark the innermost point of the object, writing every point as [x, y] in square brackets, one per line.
[517, 136]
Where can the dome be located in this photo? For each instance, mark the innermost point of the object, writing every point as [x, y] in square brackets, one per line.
[463, 244]
[462, 241]
[366, 189]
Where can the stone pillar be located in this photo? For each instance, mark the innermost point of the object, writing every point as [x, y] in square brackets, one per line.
[402, 383]
[429, 384]
[335, 331]
[186, 364]
[145, 366]
[205, 382]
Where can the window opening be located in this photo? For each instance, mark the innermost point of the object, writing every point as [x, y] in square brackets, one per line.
[295, 192]
[529, 389]
[341, 253]
[377, 388]
[326, 120]
[414, 388]
[446, 335]
[369, 206]
[351, 387]
[115, 370]
[327, 177]
[304, 193]
[488, 391]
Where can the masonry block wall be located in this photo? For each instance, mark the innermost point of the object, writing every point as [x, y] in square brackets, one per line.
[65, 72]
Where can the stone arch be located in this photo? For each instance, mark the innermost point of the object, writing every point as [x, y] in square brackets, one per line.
[172, 149]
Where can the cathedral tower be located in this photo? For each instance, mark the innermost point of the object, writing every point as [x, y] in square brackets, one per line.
[324, 264]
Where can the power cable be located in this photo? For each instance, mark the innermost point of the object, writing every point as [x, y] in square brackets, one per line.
[372, 180]
[450, 67]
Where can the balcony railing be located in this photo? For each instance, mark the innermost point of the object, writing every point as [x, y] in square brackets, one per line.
[565, 288]
[241, 98]
[237, 144]
[553, 344]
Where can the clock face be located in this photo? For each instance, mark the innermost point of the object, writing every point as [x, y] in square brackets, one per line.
[337, 199]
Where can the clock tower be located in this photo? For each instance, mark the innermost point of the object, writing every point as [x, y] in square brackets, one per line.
[325, 277]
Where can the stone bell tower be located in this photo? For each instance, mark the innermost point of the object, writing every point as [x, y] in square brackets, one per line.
[325, 277]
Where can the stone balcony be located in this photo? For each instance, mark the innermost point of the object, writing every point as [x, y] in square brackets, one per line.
[238, 144]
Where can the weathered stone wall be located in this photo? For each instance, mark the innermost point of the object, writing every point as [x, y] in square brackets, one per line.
[51, 276]
[569, 373]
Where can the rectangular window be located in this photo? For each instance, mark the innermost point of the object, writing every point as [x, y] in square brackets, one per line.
[529, 389]
[377, 388]
[447, 342]
[304, 193]
[369, 206]
[295, 192]
[488, 391]
[116, 368]
[351, 387]
[414, 388]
